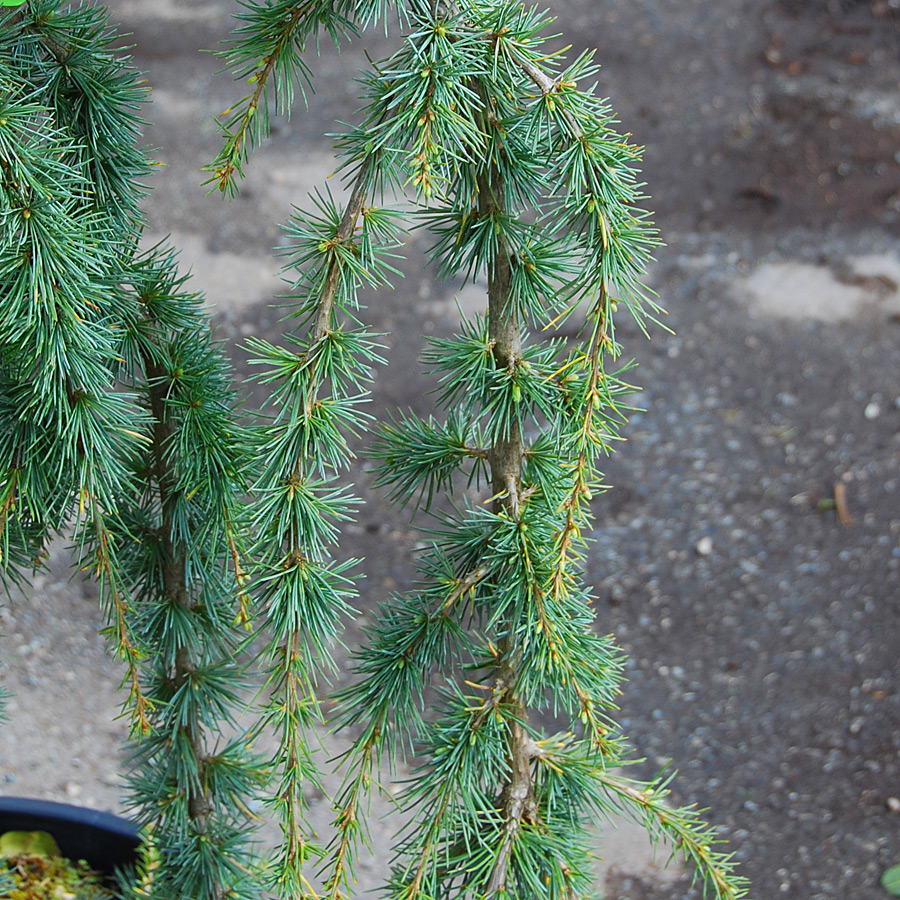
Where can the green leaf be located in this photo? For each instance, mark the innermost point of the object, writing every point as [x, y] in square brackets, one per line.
[890, 881]
[28, 843]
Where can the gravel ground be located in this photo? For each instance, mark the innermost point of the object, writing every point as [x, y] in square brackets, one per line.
[762, 626]
[762, 632]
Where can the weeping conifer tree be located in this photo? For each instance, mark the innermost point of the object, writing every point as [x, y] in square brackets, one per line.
[118, 429]
[527, 188]
[118, 422]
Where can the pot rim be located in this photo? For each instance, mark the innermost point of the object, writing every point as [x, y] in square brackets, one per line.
[106, 841]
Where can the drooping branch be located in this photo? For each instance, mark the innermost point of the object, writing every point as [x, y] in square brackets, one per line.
[174, 574]
[300, 569]
[506, 461]
[236, 143]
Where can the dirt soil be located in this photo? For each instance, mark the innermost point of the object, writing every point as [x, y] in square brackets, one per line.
[748, 557]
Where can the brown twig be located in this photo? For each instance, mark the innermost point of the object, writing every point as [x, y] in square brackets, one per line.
[346, 229]
[840, 504]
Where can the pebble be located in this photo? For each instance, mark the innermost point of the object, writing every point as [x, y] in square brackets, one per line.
[893, 804]
[704, 546]
[872, 410]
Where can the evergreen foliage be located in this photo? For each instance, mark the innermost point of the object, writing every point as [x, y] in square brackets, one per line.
[118, 420]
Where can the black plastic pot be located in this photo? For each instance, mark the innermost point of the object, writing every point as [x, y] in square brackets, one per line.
[106, 842]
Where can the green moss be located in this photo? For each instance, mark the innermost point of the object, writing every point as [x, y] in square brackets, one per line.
[31, 868]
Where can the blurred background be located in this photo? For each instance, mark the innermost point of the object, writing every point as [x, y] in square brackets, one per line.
[748, 556]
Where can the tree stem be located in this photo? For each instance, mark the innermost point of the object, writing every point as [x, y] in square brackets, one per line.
[175, 577]
[516, 801]
[506, 455]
